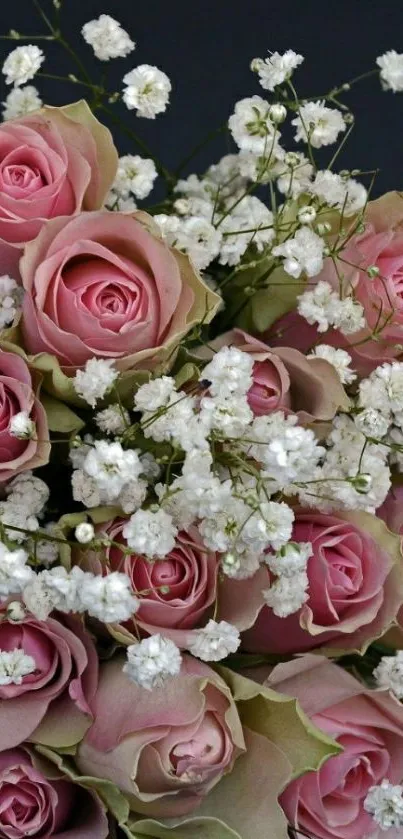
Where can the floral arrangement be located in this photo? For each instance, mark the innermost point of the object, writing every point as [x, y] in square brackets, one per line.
[201, 455]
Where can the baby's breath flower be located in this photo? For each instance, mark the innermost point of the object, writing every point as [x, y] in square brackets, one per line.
[95, 380]
[21, 101]
[215, 641]
[318, 124]
[151, 662]
[107, 38]
[391, 64]
[147, 91]
[14, 665]
[22, 64]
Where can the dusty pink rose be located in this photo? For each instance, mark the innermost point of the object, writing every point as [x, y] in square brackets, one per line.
[18, 389]
[391, 510]
[355, 587]
[52, 705]
[329, 803]
[190, 573]
[101, 284]
[381, 246]
[52, 163]
[284, 379]
[164, 750]
[32, 804]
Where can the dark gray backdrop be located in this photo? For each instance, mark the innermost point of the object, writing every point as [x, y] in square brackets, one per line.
[205, 46]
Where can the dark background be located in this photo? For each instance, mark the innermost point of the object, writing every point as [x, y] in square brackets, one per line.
[205, 47]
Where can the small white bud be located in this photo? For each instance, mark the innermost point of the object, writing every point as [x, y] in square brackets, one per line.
[277, 113]
[84, 533]
[307, 214]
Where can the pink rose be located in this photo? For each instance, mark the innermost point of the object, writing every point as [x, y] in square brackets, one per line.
[164, 750]
[283, 379]
[52, 705]
[101, 284]
[380, 245]
[190, 573]
[329, 803]
[52, 163]
[355, 587]
[391, 511]
[32, 804]
[18, 391]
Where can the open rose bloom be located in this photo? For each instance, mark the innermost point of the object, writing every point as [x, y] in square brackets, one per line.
[201, 459]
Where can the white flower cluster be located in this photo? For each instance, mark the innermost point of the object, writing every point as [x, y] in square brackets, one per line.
[108, 474]
[135, 177]
[22, 64]
[290, 590]
[339, 359]
[323, 307]
[15, 574]
[385, 804]
[391, 64]
[22, 426]
[107, 38]
[151, 662]
[215, 641]
[108, 598]
[345, 194]
[354, 474]
[276, 69]
[26, 498]
[318, 125]
[303, 253]
[96, 380]
[147, 91]
[389, 673]
[11, 295]
[14, 665]
[21, 101]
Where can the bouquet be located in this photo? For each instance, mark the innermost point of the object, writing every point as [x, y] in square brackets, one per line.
[201, 456]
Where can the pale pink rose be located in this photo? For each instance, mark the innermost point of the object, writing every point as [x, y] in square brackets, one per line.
[355, 587]
[32, 804]
[51, 705]
[380, 245]
[52, 163]
[18, 392]
[284, 379]
[391, 511]
[167, 748]
[101, 284]
[329, 803]
[189, 571]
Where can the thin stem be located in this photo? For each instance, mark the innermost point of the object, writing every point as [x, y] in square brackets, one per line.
[168, 177]
[44, 17]
[195, 151]
[27, 38]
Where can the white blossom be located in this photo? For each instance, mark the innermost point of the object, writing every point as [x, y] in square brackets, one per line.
[22, 64]
[113, 420]
[346, 194]
[11, 295]
[84, 532]
[147, 91]
[389, 673]
[230, 417]
[135, 175]
[154, 394]
[22, 426]
[287, 452]
[46, 551]
[15, 611]
[239, 566]
[250, 223]
[251, 126]
[15, 574]
[151, 662]
[198, 237]
[322, 306]
[339, 359]
[95, 380]
[291, 559]
[14, 665]
[111, 467]
[21, 101]
[229, 372]
[107, 38]
[215, 641]
[303, 253]
[391, 64]
[318, 124]
[28, 492]
[108, 598]
[293, 172]
[150, 533]
[385, 804]
[276, 68]
[287, 594]
[372, 423]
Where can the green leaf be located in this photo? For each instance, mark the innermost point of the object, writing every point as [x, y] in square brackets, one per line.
[60, 417]
[187, 373]
[108, 792]
[275, 300]
[281, 719]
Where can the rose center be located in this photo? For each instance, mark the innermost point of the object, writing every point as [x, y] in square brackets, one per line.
[192, 758]
[22, 177]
